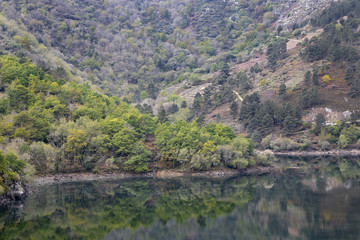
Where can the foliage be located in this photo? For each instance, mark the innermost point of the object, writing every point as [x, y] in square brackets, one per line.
[197, 147]
[11, 168]
[71, 127]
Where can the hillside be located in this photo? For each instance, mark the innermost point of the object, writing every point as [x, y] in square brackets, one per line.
[149, 84]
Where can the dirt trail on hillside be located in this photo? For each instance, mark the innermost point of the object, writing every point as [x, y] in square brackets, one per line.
[248, 64]
[293, 42]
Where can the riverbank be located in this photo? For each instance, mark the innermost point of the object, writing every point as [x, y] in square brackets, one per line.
[78, 177]
[329, 153]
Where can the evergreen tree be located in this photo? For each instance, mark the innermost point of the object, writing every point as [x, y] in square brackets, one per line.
[207, 99]
[315, 77]
[173, 109]
[151, 90]
[355, 88]
[277, 50]
[350, 75]
[267, 123]
[319, 122]
[290, 124]
[256, 137]
[307, 78]
[183, 104]
[234, 109]
[200, 121]
[282, 90]
[162, 115]
[224, 74]
[298, 113]
[197, 103]
[218, 118]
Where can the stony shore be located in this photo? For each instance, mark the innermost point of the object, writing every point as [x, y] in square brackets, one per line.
[77, 177]
[329, 153]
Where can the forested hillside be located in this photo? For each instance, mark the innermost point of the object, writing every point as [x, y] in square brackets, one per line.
[50, 125]
[149, 84]
[128, 47]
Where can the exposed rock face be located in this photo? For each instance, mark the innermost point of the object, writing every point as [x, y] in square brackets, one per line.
[16, 191]
[298, 11]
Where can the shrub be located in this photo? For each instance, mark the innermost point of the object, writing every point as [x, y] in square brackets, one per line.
[265, 143]
[239, 163]
[344, 141]
[264, 157]
[281, 144]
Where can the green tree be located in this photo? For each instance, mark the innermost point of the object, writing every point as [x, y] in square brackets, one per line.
[282, 90]
[234, 107]
[197, 103]
[75, 146]
[319, 122]
[162, 116]
[123, 141]
[151, 90]
[315, 77]
[290, 124]
[139, 160]
[173, 109]
[307, 78]
[183, 104]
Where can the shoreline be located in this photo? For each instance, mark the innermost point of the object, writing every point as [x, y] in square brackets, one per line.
[329, 153]
[161, 174]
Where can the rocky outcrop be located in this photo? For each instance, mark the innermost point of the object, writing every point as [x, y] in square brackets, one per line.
[16, 191]
[298, 12]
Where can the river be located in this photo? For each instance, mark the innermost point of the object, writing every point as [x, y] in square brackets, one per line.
[293, 204]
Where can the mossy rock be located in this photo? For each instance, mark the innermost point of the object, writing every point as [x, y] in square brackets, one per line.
[2, 190]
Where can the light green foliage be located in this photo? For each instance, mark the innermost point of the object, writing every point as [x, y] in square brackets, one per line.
[348, 136]
[138, 162]
[348, 169]
[201, 148]
[202, 162]
[11, 167]
[173, 97]
[42, 157]
[283, 143]
[243, 145]
[239, 163]
[124, 140]
[343, 141]
[75, 145]
[208, 148]
[69, 127]
[220, 134]
[266, 141]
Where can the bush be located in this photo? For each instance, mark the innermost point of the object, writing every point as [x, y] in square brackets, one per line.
[203, 161]
[264, 157]
[239, 163]
[265, 143]
[226, 153]
[42, 156]
[243, 145]
[344, 141]
[324, 145]
[283, 144]
[138, 162]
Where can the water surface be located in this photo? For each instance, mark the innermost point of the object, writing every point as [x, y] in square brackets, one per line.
[291, 205]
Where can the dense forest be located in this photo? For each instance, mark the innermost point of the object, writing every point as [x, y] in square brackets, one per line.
[49, 125]
[100, 85]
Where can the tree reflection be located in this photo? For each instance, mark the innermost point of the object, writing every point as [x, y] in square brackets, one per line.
[321, 204]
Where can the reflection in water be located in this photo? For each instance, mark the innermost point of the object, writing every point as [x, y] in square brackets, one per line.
[286, 206]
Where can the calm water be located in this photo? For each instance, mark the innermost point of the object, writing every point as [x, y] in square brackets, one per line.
[290, 205]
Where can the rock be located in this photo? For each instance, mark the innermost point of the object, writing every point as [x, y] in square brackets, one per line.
[16, 191]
